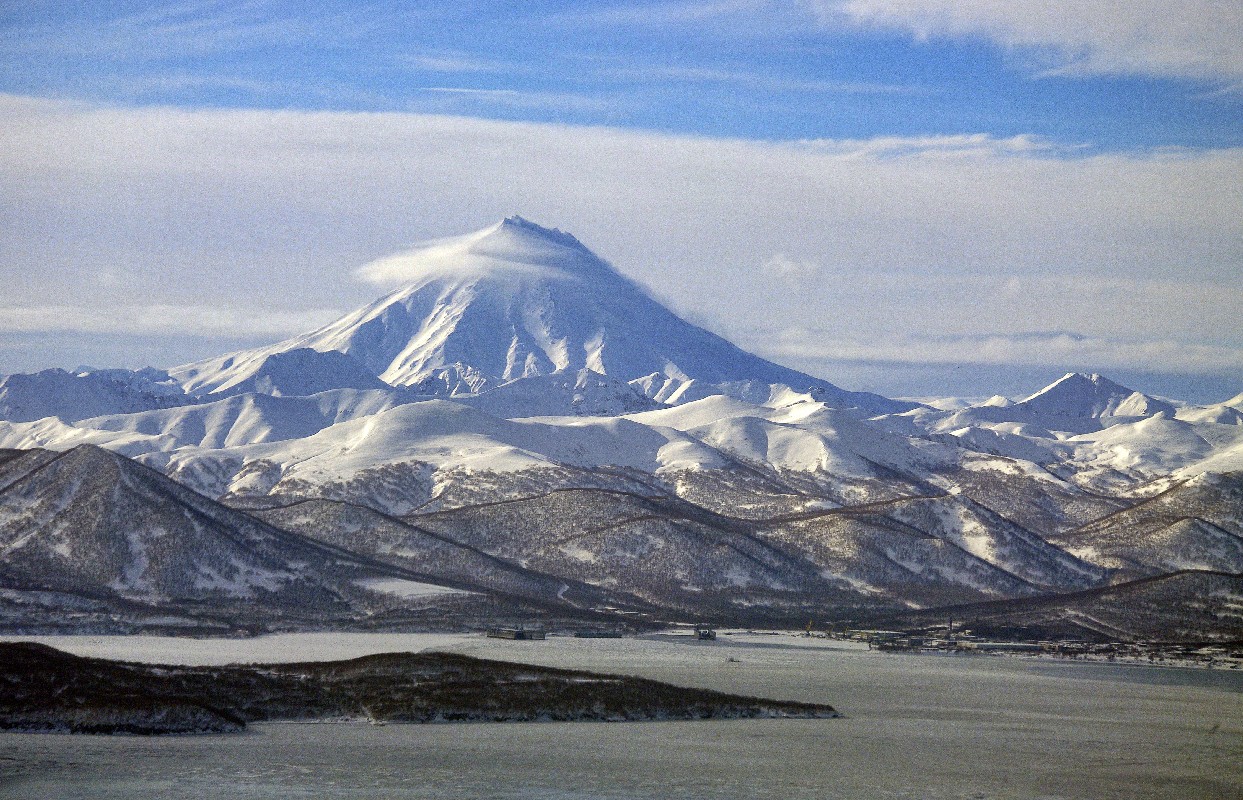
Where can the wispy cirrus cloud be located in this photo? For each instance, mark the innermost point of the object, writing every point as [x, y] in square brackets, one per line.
[1172, 38]
[175, 31]
[661, 14]
[1062, 349]
[463, 99]
[660, 73]
[956, 145]
[455, 62]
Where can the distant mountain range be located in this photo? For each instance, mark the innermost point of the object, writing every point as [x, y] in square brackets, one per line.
[521, 431]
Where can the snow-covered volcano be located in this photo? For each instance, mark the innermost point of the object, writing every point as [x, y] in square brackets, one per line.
[1077, 394]
[517, 300]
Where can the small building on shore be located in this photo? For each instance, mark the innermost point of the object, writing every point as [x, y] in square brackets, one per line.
[518, 633]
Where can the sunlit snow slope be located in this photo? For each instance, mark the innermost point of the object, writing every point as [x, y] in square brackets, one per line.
[517, 300]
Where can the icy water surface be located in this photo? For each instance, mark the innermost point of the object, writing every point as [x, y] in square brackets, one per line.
[917, 727]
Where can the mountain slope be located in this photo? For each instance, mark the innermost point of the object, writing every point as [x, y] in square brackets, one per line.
[523, 423]
[667, 552]
[1196, 525]
[1191, 606]
[301, 372]
[77, 396]
[241, 419]
[436, 557]
[92, 524]
[1077, 394]
[1076, 403]
[582, 393]
[517, 300]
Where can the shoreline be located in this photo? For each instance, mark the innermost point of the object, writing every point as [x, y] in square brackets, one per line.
[335, 645]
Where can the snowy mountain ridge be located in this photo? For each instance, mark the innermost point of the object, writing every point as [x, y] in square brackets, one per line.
[521, 421]
[1078, 394]
[84, 393]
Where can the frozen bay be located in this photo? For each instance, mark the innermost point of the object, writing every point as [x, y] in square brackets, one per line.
[916, 726]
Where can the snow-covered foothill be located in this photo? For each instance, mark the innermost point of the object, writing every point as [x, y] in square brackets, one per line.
[73, 396]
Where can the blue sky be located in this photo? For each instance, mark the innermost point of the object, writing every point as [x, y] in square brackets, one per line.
[766, 70]
[904, 196]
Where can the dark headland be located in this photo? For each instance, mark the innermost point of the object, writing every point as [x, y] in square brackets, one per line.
[46, 690]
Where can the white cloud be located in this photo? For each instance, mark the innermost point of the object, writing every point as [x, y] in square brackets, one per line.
[458, 98]
[891, 239]
[1065, 349]
[954, 146]
[183, 320]
[454, 62]
[795, 270]
[1184, 38]
[661, 14]
[680, 74]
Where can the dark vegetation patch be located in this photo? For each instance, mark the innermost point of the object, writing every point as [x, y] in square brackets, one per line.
[1188, 607]
[43, 689]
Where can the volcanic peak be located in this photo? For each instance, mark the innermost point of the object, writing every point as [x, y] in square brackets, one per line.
[511, 248]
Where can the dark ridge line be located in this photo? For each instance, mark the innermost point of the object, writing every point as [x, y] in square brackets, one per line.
[756, 470]
[1137, 505]
[670, 498]
[901, 528]
[1055, 598]
[860, 510]
[540, 496]
[738, 526]
[672, 505]
[229, 529]
[882, 521]
[1167, 522]
[674, 500]
[1204, 521]
[660, 492]
[761, 544]
[1023, 532]
[59, 454]
[989, 565]
[509, 566]
[10, 454]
